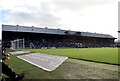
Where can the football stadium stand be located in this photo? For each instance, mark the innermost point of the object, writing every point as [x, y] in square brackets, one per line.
[36, 37]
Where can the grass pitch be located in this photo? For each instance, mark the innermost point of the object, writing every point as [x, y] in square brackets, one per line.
[72, 68]
[106, 55]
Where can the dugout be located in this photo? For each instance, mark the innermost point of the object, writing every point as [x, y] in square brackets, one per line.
[37, 37]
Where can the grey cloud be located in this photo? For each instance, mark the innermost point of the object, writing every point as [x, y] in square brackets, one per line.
[84, 1]
[41, 15]
[79, 4]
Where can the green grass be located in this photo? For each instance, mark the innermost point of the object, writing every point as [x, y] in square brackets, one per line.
[107, 55]
[70, 69]
[33, 72]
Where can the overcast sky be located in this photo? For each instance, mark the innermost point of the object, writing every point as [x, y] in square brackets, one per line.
[100, 16]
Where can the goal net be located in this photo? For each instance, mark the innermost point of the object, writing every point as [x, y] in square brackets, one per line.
[18, 44]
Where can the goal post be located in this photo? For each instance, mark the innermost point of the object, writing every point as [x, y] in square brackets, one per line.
[18, 44]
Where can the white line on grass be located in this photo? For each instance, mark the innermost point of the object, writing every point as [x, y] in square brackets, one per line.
[52, 62]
